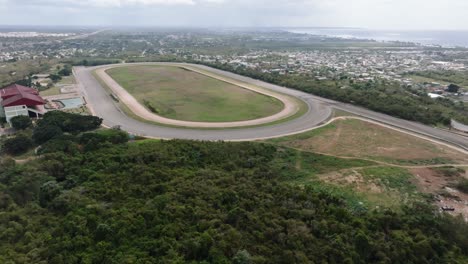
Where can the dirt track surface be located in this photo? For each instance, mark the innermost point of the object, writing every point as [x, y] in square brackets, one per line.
[291, 107]
[320, 109]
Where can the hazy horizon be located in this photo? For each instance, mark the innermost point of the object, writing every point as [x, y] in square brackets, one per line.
[366, 14]
[116, 27]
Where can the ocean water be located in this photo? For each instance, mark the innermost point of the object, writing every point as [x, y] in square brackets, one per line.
[447, 38]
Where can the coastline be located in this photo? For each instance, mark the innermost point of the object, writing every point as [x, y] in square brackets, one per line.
[429, 38]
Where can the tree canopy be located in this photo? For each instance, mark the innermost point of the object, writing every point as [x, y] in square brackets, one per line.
[55, 123]
[199, 202]
[21, 122]
[17, 145]
[452, 88]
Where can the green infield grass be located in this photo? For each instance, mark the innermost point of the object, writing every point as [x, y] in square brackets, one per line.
[181, 94]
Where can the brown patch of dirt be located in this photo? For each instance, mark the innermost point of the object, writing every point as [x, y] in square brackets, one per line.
[441, 186]
[428, 180]
[372, 191]
[351, 178]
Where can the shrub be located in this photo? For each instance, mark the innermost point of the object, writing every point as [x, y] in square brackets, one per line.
[463, 185]
[55, 123]
[150, 106]
[55, 77]
[43, 133]
[21, 122]
[72, 123]
[115, 136]
[17, 145]
[93, 141]
[66, 71]
[65, 143]
[5, 163]
[450, 171]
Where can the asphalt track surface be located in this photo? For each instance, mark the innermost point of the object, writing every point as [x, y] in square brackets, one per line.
[320, 111]
[291, 107]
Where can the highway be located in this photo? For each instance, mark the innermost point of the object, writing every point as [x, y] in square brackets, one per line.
[320, 111]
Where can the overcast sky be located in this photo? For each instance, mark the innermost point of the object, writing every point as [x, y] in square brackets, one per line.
[379, 14]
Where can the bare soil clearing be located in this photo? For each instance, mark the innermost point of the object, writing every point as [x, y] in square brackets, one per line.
[433, 181]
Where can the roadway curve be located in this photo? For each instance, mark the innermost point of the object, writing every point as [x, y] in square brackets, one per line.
[320, 110]
[104, 106]
[291, 107]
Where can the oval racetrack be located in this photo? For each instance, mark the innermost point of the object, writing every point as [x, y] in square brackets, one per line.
[291, 107]
[320, 110]
[104, 106]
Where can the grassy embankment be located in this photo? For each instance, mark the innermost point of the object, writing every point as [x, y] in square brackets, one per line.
[360, 139]
[373, 165]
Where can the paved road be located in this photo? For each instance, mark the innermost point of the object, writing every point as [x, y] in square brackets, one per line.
[319, 112]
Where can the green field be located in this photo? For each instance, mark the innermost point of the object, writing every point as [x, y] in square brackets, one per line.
[181, 94]
[422, 79]
[360, 139]
[55, 90]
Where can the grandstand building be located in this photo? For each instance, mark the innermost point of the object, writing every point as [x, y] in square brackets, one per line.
[16, 100]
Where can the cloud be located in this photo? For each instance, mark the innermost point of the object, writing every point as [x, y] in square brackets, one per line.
[403, 14]
[109, 3]
[99, 3]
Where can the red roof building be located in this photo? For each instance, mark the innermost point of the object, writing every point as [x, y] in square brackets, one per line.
[16, 95]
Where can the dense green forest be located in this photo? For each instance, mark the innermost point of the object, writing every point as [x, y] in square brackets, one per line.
[93, 197]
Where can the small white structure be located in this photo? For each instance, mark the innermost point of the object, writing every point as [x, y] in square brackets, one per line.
[12, 111]
[434, 96]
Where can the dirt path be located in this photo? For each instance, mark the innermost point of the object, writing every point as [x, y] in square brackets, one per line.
[380, 163]
[383, 163]
[290, 105]
[24, 161]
